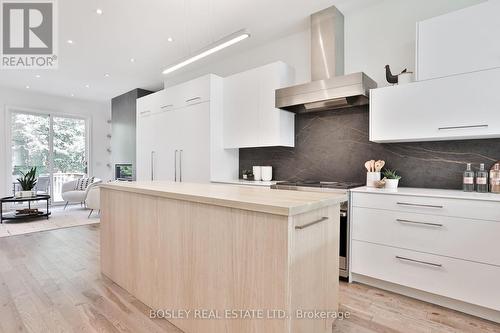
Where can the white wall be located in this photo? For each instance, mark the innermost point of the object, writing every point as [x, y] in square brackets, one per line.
[380, 33]
[384, 33]
[98, 113]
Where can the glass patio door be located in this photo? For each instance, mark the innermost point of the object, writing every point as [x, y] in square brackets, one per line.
[69, 152]
[56, 145]
[30, 145]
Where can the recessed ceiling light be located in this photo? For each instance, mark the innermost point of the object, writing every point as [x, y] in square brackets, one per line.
[27, 87]
[170, 39]
[98, 11]
[106, 75]
[72, 95]
[87, 86]
[217, 46]
[37, 76]
[132, 60]
[69, 41]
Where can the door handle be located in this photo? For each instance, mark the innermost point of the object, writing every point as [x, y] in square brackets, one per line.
[419, 261]
[180, 165]
[418, 205]
[462, 127]
[300, 227]
[175, 165]
[152, 165]
[420, 223]
[193, 99]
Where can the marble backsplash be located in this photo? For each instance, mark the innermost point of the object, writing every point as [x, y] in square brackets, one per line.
[333, 145]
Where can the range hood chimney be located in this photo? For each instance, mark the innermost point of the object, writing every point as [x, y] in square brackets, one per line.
[330, 88]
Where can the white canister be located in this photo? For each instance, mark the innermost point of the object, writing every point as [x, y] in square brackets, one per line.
[372, 178]
[406, 77]
[267, 173]
[257, 173]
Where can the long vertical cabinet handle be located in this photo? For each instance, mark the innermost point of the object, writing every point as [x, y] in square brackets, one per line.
[152, 165]
[175, 165]
[180, 165]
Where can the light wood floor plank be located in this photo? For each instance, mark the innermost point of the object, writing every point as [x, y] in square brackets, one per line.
[51, 282]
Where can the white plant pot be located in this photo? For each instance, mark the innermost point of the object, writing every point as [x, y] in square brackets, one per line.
[372, 178]
[25, 194]
[391, 183]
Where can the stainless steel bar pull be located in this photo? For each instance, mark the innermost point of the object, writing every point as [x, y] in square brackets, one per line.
[152, 165]
[462, 127]
[300, 227]
[175, 165]
[419, 261]
[193, 99]
[419, 223]
[166, 106]
[180, 165]
[418, 205]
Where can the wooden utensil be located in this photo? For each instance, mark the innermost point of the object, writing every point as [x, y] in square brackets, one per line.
[379, 165]
[372, 165]
[367, 166]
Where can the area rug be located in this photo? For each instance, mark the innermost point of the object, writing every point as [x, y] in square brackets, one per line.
[72, 216]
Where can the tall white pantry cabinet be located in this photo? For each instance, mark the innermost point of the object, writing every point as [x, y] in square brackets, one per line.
[180, 134]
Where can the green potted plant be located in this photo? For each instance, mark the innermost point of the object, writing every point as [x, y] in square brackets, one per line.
[27, 182]
[247, 174]
[391, 178]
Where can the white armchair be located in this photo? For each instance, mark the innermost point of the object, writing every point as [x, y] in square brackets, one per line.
[93, 201]
[70, 195]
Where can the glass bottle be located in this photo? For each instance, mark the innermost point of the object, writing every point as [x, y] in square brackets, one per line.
[482, 179]
[468, 179]
[495, 179]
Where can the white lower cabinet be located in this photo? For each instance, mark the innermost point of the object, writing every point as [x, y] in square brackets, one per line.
[179, 137]
[433, 243]
[462, 280]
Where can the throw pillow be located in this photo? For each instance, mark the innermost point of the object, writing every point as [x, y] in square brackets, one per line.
[83, 183]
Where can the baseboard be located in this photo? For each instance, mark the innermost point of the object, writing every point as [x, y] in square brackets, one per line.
[446, 302]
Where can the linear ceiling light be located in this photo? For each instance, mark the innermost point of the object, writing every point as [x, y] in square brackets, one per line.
[217, 46]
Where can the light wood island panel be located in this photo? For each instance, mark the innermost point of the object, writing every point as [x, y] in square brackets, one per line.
[184, 255]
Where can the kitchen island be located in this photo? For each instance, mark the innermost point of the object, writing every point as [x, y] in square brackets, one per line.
[214, 258]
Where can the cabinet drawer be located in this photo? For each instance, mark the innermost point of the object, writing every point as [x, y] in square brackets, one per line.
[472, 209]
[462, 280]
[475, 240]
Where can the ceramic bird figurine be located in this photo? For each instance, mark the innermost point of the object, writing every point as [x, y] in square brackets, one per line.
[394, 79]
[389, 76]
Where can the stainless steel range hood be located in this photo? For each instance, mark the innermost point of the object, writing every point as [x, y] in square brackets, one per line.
[330, 88]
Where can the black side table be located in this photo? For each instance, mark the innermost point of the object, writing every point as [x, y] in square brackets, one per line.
[12, 216]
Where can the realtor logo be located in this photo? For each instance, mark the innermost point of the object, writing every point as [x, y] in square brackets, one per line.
[28, 34]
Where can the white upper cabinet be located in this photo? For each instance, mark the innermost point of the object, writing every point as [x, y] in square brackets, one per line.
[457, 107]
[180, 135]
[250, 116]
[463, 41]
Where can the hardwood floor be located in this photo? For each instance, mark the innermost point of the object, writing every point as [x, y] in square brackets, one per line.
[51, 282]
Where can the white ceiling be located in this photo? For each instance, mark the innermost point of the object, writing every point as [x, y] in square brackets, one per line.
[139, 29]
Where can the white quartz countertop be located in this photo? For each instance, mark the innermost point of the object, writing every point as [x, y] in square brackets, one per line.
[430, 192]
[246, 182]
[254, 198]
